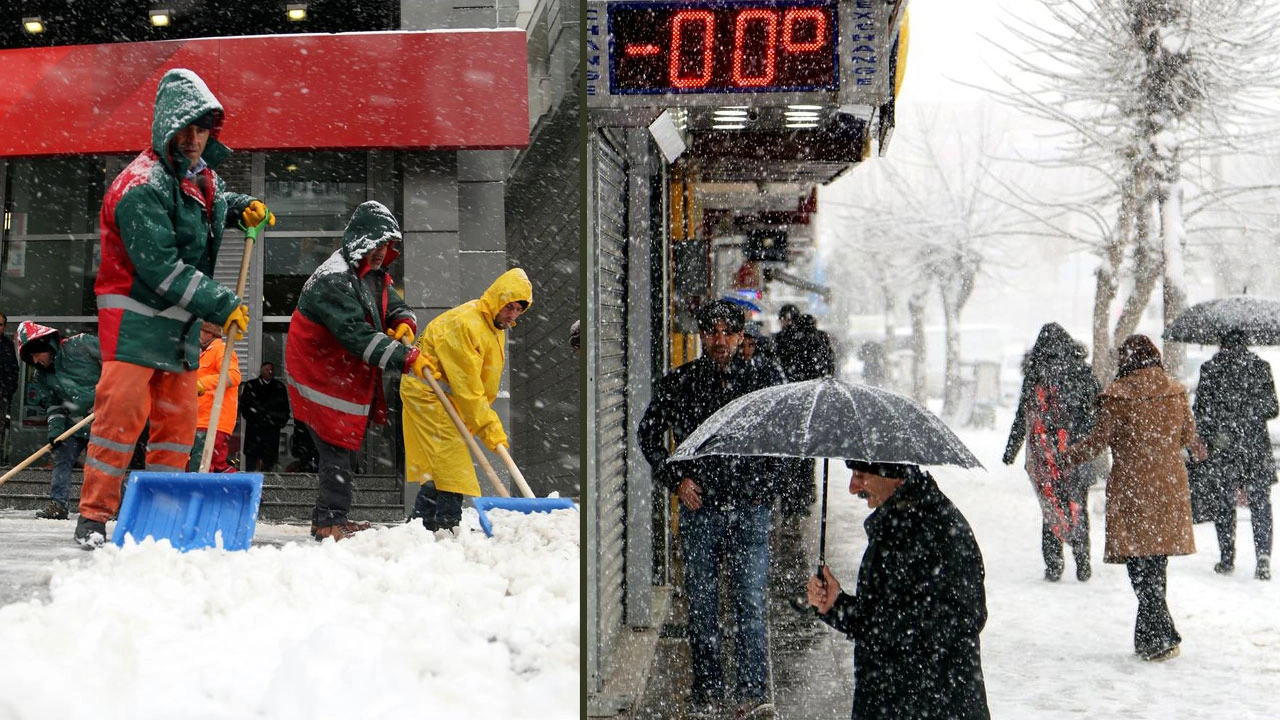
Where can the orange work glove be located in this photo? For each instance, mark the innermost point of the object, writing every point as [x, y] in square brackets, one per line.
[237, 324]
[253, 214]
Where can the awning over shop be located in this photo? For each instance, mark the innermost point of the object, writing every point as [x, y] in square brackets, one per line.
[438, 90]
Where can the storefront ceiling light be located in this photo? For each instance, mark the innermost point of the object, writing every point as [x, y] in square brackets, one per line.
[728, 126]
[804, 107]
[291, 167]
[801, 115]
[33, 25]
[160, 17]
[802, 125]
[725, 112]
[297, 12]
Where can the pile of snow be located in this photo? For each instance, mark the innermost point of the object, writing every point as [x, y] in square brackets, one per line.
[394, 622]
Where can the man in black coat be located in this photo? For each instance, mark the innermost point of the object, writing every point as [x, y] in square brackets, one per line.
[805, 353]
[724, 510]
[264, 404]
[1235, 398]
[1058, 406]
[920, 604]
[8, 382]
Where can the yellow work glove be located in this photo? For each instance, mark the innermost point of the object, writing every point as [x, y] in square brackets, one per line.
[199, 388]
[253, 214]
[421, 366]
[237, 324]
[492, 436]
[402, 333]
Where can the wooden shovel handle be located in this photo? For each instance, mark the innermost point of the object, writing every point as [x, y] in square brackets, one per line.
[515, 472]
[211, 435]
[452, 411]
[48, 446]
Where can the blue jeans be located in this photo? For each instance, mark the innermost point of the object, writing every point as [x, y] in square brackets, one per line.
[737, 542]
[64, 461]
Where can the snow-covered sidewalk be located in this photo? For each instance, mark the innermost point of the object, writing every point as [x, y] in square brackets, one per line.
[392, 623]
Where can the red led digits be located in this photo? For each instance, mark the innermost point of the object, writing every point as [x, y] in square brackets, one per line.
[770, 20]
[797, 16]
[678, 21]
[702, 46]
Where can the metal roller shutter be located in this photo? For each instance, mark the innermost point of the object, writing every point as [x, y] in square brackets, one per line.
[608, 178]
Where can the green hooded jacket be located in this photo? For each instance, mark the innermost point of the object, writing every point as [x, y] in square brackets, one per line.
[67, 390]
[161, 232]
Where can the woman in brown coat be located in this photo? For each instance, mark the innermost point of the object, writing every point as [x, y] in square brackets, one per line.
[1146, 421]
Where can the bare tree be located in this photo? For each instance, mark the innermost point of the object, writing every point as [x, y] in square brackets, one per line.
[1141, 86]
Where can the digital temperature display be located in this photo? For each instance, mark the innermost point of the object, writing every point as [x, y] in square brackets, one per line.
[716, 47]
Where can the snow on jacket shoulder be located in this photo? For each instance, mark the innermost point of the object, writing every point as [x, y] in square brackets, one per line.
[337, 345]
[161, 233]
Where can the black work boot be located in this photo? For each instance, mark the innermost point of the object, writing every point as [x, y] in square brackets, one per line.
[53, 511]
[90, 534]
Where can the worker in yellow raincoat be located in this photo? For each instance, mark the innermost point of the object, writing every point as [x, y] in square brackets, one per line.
[466, 350]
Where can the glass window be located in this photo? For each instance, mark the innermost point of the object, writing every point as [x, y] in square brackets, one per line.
[51, 254]
[315, 190]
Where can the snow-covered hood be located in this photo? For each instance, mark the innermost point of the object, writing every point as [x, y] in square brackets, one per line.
[34, 338]
[371, 225]
[181, 98]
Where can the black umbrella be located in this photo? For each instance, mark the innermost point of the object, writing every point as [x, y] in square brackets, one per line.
[826, 418]
[1256, 318]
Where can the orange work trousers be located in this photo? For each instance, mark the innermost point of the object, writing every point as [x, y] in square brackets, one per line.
[127, 396]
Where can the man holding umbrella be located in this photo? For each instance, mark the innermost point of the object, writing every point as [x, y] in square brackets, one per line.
[724, 513]
[920, 603]
[1235, 398]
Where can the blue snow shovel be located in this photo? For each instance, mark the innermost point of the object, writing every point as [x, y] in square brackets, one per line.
[194, 510]
[527, 504]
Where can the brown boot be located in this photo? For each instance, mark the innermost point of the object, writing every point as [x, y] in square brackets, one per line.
[340, 531]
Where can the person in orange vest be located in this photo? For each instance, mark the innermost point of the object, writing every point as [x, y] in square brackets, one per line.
[212, 348]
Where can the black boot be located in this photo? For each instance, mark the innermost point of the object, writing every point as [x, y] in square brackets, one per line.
[90, 534]
[53, 511]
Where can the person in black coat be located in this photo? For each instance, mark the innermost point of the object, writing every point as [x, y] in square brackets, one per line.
[805, 353]
[8, 381]
[920, 603]
[724, 509]
[1235, 398]
[1058, 406]
[264, 404]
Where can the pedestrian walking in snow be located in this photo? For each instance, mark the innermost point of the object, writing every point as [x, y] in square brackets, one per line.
[162, 224]
[66, 376]
[1057, 406]
[1146, 421]
[264, 404]
[466, 348]
[1234, 400]
[211, 350]
[920, 602]
[345, 331]
[724, 511]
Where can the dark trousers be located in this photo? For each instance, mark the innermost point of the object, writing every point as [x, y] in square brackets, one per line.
[1153, 629]
[1259, 496]
[1051, 546]
[261, 445]
[439, 509]
[337, 483]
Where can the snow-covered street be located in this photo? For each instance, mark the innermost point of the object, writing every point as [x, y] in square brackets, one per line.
[394, 622]
[1065, 649]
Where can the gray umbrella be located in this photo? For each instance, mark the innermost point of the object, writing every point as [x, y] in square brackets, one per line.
[1257, 318]
[826, 418]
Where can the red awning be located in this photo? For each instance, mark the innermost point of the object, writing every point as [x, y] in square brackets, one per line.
[440, 90]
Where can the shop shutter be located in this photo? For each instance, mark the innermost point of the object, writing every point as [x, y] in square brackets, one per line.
[609, 425]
